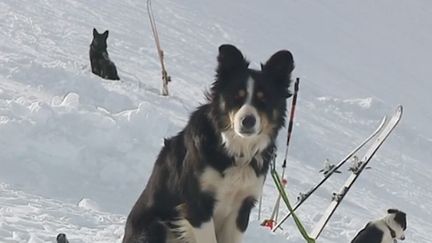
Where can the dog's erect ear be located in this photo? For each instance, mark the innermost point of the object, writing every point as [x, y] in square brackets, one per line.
[230, 59]
[399, 217]
[95, 33]
[280, 65]
[392, 211]
[105, 34]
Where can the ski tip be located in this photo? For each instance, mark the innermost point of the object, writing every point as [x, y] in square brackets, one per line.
[400, 108]
[383, 120]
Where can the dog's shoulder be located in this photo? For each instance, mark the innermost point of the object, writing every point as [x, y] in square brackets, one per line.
[369, 234]
[191, 139]
[199, 121]
[200, 131]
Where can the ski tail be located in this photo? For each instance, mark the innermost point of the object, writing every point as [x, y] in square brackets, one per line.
[338, 197]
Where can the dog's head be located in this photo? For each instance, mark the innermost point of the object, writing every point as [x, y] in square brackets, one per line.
[250, 104]
[399, 223]
[61, 238]
[99, 41]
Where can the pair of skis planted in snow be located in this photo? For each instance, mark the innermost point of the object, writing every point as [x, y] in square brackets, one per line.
[380, 135]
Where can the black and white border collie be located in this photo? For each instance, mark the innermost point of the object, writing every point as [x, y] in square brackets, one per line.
[385, 230]
[100, 62]
[208, 177]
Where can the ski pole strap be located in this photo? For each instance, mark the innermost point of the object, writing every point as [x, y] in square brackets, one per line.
[291, 119]
[284, 196]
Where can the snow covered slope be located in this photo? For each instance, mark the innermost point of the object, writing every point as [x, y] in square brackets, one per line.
[65, 134]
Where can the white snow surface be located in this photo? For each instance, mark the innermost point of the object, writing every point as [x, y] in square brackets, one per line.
[76, 150]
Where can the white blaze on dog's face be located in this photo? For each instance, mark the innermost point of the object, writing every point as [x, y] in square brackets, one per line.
[246, 121]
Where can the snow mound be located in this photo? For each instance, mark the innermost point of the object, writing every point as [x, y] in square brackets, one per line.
[354, 109]
[351, 104]
[89, 204]
[71, 101]
[29, 218]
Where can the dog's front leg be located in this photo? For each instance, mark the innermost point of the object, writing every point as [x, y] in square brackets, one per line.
[234, 226]
[205, 233]
[229, 232]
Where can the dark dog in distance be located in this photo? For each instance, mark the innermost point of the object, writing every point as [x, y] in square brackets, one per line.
[101, 65]
[61, 238]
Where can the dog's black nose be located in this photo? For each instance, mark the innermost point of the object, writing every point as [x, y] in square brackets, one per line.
[249, 121]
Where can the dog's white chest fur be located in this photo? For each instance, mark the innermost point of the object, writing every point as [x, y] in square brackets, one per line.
[244, 149]
[231, 188]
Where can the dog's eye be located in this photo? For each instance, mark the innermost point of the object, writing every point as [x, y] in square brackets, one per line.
[260, 96]
[240, 94]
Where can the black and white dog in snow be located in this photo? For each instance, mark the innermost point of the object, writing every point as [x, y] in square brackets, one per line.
[385, 230]
[208, 177]
[101, 65]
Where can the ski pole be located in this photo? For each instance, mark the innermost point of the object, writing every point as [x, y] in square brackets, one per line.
[275, 213]
[165, 77]
[284, 196]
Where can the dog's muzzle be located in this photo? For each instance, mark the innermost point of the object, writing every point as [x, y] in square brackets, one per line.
[247, 122]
